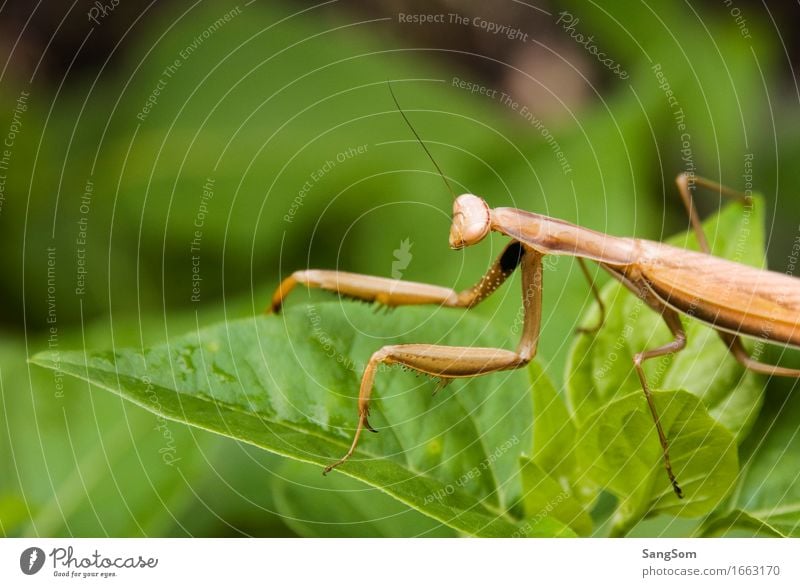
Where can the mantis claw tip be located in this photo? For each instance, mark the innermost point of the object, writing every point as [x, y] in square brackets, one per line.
[675, 487]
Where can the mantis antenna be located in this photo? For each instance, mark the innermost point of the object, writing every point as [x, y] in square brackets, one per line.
[427, 152]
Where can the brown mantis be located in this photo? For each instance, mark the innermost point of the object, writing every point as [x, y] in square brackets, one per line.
[731, 298]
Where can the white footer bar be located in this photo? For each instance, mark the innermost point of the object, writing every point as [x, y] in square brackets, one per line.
[395, 562]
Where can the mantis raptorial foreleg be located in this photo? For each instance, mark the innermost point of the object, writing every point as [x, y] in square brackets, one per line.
[448, 362]
[394, 292]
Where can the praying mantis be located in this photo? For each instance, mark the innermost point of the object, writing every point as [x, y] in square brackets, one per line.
[734, 299]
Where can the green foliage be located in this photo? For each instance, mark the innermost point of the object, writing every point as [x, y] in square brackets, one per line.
[545, 496]
[288, 384]
[620, 452]
[304, 499]
[93, 466]
[242, 111]
[601, 366]
[767, 498]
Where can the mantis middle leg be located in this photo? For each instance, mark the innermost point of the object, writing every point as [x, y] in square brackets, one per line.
[672, 319]
[677, 344]
[596, 293]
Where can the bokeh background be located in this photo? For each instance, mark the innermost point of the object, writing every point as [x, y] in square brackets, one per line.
[147, 143]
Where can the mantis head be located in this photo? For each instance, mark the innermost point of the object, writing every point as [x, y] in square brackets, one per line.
[471, 221]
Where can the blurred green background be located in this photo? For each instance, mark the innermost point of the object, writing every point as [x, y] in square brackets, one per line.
[236, 142]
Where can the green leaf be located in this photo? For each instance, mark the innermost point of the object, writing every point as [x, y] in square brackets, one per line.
[544, 496]
[600, 366]
[337, 506]
[554, 432]
[289, 385]
[13, 513]
[739, 520]
[619, 449]
[554, 442]
[767, 498]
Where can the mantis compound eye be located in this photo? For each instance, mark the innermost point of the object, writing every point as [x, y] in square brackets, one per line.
[471, 221]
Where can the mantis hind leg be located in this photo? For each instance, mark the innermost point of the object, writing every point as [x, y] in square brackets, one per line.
[678, 343]
[734, 344]
[685, 182]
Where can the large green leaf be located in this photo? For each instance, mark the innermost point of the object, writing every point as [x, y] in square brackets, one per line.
[71, 454]
[618, 448]
[601, 365]
[554, 434]
[336, 506]
[289, 384]
[545, 496]
[767, 499]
